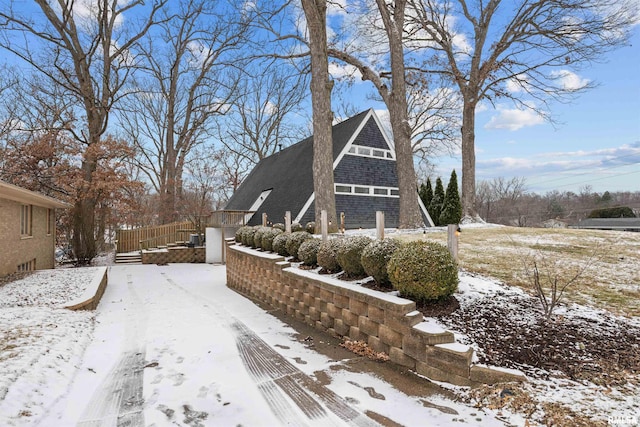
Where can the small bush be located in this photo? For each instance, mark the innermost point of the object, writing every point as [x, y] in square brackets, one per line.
[375, 258]
[295, 240]
[280, 226]
[280, 244]
[350, 254]
[247, 236]
[310, 227]
[267, 238]
[257, 236]
[328, 255]
[296, 226]
[239, 233]
[308, 251]
[423, 271]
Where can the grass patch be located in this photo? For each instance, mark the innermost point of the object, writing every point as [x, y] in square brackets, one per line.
[610, 282]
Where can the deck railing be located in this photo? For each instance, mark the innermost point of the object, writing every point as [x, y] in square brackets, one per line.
[153, 236]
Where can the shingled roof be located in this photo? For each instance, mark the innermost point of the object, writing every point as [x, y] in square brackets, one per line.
[289, 174]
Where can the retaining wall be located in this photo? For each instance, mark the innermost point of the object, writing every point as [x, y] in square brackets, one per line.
[174, 255]
[90, 299]
[386, 323]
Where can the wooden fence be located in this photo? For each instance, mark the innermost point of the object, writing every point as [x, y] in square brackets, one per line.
[163, 235]
[152, 237]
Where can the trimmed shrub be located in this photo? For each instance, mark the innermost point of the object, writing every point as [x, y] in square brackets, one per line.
[280, 226]
[247, 236]
[257, 236]
[280, 244]
[376, 256]
[349, 254]
[240, 232]
[423, 271]
[296, 226]
[617, 212]
[327, 255]
[295, 240]
[308, 251]
[267, 238]
[310, 227]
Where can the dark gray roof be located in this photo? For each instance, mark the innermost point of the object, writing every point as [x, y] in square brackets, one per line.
[289, 173]
[609, 223]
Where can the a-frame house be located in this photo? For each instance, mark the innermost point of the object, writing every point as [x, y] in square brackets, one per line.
[365, 179]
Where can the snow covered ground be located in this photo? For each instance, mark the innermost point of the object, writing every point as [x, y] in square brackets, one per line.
[168, 345]
[178, 327]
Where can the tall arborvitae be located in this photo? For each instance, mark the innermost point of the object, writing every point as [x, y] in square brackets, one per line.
[451, 208]
[426, 193]
[435, 207]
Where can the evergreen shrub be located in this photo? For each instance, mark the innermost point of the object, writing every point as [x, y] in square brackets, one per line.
[376, 256]
[267, 238]
[257, 236]
[280, 226]
[349, 254]
[280, 244]
[294, 241]
[296, 226]
[423, 271]
[328, 255]
[247, 236]
[308, 251]
[239, 233]
[310, 227]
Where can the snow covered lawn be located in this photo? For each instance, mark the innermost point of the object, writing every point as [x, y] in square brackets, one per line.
[40, 345]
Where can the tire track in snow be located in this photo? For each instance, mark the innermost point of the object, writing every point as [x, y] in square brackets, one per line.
[280, 382]
[119, 400]
[268, 366]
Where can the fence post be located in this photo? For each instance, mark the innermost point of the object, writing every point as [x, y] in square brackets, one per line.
[453, 230]
[324, 225]
[342, 222]
[287, 221]
[264, 219]
[379, 225]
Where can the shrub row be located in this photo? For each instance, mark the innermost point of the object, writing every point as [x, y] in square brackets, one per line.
[421, 271]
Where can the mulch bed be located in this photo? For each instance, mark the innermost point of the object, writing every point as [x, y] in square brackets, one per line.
[513, 333]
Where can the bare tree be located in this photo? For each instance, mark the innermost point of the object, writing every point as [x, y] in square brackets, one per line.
[394, 94]
[315, 12]
[256, 124]
[88, 53]
[505, 50]
[187, 77]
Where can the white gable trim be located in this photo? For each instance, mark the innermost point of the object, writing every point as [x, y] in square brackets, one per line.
[425, 212]
[305, 207]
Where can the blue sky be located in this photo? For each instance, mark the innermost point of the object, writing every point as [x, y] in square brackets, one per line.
[594, 141]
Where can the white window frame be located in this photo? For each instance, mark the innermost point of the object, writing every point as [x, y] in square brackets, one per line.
[359, 190]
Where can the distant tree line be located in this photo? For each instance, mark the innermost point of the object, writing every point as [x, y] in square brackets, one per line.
[508, 202]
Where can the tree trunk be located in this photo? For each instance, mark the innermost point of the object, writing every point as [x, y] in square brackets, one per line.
[84, 242]
[321, 86]
[468, 160]
[409, 216]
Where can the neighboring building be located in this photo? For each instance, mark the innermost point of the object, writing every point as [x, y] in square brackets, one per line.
[27, 229]
[619, 224]
[365, 178]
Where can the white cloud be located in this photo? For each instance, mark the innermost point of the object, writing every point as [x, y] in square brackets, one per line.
[513, 119]
[341, 71]
[569, 80]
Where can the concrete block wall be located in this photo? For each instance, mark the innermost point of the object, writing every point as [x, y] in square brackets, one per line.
[386, 323]
[174, 255]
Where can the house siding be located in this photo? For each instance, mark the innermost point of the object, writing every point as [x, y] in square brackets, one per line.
[15, 249]
[360, 211]
[366, 171]
[370, 136]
